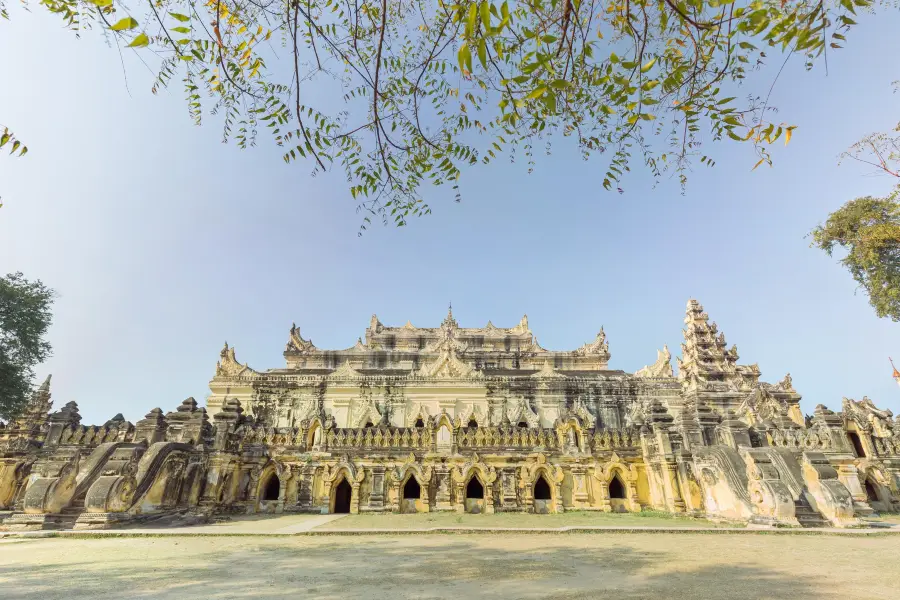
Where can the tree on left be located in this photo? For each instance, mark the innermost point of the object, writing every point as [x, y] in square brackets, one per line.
[24, 319]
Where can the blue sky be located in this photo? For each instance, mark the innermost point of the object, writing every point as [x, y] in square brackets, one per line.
[163, 243]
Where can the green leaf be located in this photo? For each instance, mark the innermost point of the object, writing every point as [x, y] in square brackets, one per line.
[537, 93]
[486, 14]
[648, 66]
[465, 58]
[101, 3]
[179, 17]
[482, 52]
[184, 30]
[470, 19]
[139, 42]
[123, 24]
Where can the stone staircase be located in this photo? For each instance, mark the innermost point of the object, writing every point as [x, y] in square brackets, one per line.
[807, 516]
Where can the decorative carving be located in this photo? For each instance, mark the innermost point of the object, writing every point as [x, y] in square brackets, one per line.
[297, 344]
[598, 347]
[228, 366]
[661, 368]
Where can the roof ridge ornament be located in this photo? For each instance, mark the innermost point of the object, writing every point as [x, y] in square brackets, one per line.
[598, 346]
[296, 343]
[521, 327]
[228, 365]
[661, 368]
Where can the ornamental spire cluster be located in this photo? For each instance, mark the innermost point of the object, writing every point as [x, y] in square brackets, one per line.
[704, 353]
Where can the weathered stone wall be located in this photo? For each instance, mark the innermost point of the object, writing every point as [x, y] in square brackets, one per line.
[453, 419]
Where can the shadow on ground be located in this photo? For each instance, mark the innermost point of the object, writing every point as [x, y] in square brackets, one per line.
[446, 567]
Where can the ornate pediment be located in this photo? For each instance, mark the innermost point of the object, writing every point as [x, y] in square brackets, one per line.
[297, 344]
[345, 371]
[365, 411]
[548, 371]
[761, 406]
[661, 368]
[868, 417]
[448, 366]
[228, 366]
[519, 410]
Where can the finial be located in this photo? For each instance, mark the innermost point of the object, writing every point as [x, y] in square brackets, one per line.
[45, 387]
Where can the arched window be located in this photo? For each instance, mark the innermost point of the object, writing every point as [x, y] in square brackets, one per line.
[522, 425]
[420, 422]
[273, 488]
[616, 488]
[541, 489]
[474, 489]
[472, 424]
[412, 490]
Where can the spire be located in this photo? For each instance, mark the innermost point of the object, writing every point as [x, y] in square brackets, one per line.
[45, 387]
[703, 352]
[449, 321]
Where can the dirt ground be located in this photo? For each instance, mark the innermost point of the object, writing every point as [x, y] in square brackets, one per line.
[566, 567]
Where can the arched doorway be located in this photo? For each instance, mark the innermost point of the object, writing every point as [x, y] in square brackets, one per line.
[617, 494]
[522, 425]
[542, 496]
[473, 424]
[474, 502]
[412, 493]
[420, 422]
[871, 492]
[342, 495]
[272, 489]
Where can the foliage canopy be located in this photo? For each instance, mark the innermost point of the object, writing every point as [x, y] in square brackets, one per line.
[868, 229]
[401, 93]
[24, 319]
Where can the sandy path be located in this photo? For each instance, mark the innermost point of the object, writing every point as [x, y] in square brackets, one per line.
[449, 566]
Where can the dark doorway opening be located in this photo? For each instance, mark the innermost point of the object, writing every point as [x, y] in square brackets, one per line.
[420, 423]
[474, 489]
[616, 489]
[342, 497]
[369, 424]
[541, 489]
[273, 488]
[871, 493]
[472, 424]
[412, 490]
[857, 444]
[522, 425]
